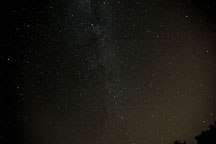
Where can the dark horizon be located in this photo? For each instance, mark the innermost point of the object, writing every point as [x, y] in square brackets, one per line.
[107, 72]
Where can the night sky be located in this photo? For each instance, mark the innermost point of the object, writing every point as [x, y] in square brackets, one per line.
[107, 71]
